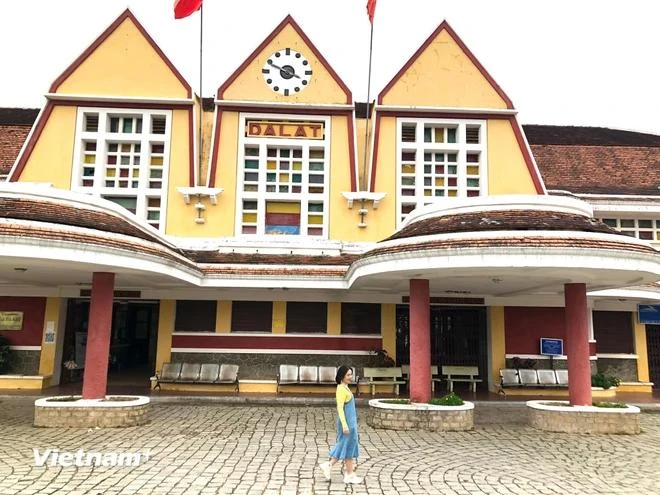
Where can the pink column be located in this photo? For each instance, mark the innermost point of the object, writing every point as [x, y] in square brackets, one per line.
[95, 379]
[577, 344]
[420, 341]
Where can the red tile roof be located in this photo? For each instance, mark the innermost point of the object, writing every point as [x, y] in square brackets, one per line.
[600, 169]
[483, 221]
[12, 138]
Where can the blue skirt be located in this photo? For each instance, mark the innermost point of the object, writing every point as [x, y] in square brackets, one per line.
[347, 445]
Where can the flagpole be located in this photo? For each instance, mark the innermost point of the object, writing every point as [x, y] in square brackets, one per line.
[366, 133]
[201, 93]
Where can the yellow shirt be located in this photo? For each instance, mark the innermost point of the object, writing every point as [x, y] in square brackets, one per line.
[343, 396]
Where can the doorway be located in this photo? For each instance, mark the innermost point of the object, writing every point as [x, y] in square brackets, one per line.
[458, 336]
[653, 346]
[132, 342]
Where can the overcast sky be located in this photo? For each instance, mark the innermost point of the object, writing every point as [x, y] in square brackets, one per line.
[569, 62]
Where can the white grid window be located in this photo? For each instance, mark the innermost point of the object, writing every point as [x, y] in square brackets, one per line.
[439, 159]
[283, 182]
[646, 229]
[122, 156]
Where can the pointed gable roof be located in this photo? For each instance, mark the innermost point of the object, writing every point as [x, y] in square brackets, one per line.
[288, 21]
[86, 55]
[444, 27]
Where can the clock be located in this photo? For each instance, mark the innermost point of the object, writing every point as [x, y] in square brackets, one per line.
[287, 72]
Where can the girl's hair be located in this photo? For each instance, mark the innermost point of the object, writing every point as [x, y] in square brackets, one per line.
[341, 373]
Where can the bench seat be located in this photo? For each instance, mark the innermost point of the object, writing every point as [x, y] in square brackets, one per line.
[310, 375]
[198, 373]
[383, 376]
[467, 374]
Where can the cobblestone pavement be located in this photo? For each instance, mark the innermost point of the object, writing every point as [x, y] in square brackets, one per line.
[206, 447]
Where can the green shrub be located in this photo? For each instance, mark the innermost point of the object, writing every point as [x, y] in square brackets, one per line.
[448, 400]
[396, 401]
[600, 380]
[618, 405]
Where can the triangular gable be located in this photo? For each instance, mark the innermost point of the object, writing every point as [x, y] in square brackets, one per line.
[248, 81]
[443, 72]
[123, 61]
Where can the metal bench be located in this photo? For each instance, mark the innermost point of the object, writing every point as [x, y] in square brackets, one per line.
[517, 378]
[293, 374]
[467, 374]
[196, 373]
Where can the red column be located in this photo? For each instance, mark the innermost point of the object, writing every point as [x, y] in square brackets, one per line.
[577, 344]
[95, 379]
[420, 341]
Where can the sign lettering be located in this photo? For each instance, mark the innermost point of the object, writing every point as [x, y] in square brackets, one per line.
[11, 320]
[291, 130]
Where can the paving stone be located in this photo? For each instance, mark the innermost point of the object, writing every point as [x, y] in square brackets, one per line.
[199, 447]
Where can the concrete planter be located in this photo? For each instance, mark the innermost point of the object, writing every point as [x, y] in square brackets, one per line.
[417, 416]
[76, 412]
[559, 416]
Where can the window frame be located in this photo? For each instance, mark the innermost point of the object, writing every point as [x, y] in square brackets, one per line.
[262, 197]
[102, 137]
[461, 148]
[655, 230]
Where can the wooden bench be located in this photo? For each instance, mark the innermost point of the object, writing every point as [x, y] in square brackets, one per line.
[405, 369]
[196, 373]
[293, 374]
[383, 376]
[467, 374]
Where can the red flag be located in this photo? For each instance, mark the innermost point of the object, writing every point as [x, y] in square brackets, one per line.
[371, 10]
[184, 8]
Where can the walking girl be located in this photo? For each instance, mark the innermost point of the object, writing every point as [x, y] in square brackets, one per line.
[346, 448]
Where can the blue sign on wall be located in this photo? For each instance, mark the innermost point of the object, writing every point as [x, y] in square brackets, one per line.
[552, 347]
[649, 313]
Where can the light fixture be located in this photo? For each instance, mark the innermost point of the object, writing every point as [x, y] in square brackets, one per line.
[20, 269]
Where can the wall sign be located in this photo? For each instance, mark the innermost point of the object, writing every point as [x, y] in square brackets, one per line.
[11, 320]
[552, 347]
[282, 129]
[649, 314]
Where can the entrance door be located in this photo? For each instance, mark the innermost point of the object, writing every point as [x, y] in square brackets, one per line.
[458, 336]
[132, 342]
[653, 346]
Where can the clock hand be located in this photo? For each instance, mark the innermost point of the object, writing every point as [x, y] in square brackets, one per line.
[287, 70]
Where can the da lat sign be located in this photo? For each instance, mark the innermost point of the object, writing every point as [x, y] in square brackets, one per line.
[649, 314]
[552, 347]
[11, 320]
[282, 129]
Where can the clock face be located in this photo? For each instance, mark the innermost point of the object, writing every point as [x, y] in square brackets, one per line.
[287, 72]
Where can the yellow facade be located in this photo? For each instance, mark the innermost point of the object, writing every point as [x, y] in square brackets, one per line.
[444, 76]
[507, 170]
[125, 64]
[54, 148]
[249, 84]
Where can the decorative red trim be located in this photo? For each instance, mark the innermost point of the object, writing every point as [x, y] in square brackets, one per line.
[216, 143]
[29, 148]
[351, 152]
[287, 20]
[445, 26]
[288, 110]
[75, 102]
[228, 341]
[374, 159]
[527, 155]
[127, 14]
[443, 115]
[191, 148]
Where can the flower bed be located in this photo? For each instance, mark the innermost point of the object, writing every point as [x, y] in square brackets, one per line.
[559, 416]
[416, 416]
[76, 412]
